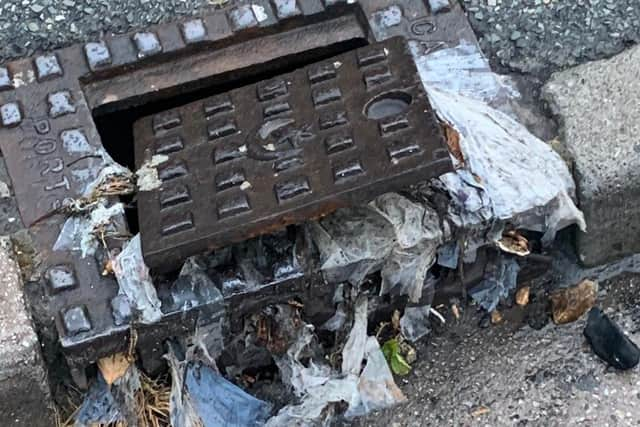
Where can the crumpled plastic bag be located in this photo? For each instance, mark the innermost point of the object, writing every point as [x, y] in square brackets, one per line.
[105, 405]
[376, 386]
[133, 278]
[353, 242]
[363, 390]
[418, 235]
[79, 231]
[508, 174]
[500, 278]
[200, 396]
[414, 323]
[294, 372]
[219, 402]
[392, 234]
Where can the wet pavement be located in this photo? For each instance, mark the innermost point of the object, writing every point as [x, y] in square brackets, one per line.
[511, 374]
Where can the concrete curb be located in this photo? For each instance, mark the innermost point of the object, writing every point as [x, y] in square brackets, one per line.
[25, 398]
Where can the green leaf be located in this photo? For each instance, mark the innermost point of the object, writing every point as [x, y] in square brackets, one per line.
[391, 351]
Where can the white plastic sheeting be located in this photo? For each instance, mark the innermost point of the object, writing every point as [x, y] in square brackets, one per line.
[79, 232]
[517, 176]
[134, 281]
[392, 234]
[362, 389]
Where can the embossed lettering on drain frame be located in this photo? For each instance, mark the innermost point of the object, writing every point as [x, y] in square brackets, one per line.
[284, 150]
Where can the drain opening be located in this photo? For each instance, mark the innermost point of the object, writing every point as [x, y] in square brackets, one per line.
[116, 127]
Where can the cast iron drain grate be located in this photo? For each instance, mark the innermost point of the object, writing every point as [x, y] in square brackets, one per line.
[50, 104]
[282, 151]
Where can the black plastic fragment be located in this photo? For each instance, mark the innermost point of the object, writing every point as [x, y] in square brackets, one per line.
[609, 342]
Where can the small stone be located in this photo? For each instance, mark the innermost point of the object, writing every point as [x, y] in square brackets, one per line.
[571, 303]
[491, 3]
[485, 321]
[496, 317]
[33, 27]
[37, 8]
[69, 3]
[515, 35]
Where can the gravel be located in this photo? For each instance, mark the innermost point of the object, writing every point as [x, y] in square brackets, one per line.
[543, 36]
[29, 26]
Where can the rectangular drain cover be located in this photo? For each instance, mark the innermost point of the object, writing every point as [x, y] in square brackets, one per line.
[294, 147]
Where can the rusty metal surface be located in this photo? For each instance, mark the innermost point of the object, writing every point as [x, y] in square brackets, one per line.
[295, 147]
[53, 149]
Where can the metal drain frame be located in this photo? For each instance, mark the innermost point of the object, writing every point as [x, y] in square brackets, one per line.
[53, 150]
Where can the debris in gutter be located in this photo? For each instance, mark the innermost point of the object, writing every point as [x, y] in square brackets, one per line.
[113, 367]
[414, 323]
[397, 362]
[392, 234]
[514, 243]
[86, 232]
[110, 403]
[452, 137]
[499, 280]
[522, 296]
[480, 412]
[4, 190]
[496, 317]
[133, 278]
[147, 175]
[569, 304]
[508, 174]
[320, 389]
[609, 342]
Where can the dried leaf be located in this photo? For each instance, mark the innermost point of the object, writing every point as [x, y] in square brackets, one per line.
[522, 296]
[514, 243]
[571, 303]
[113, 367]
[453, 142]
[496, 317]
[108, 268]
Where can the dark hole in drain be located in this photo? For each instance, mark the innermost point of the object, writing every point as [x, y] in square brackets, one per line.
[116, 128]
[387, 104]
